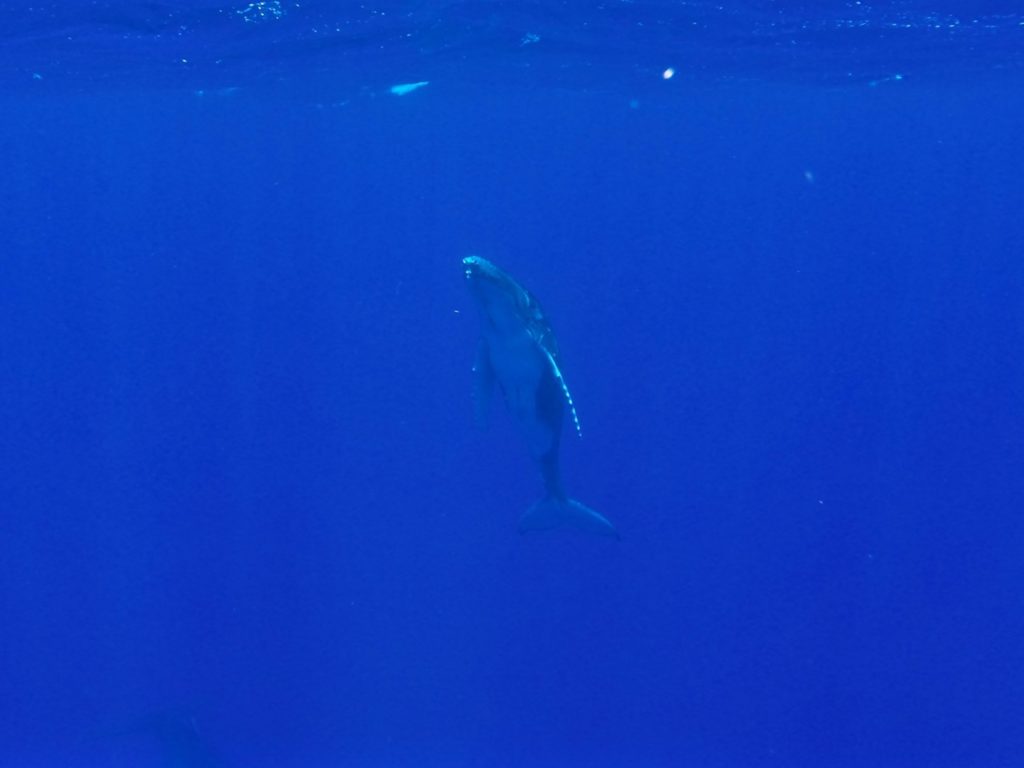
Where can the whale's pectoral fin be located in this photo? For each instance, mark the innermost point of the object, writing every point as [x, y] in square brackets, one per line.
[565, 391]
[483, 385]
[552, 512]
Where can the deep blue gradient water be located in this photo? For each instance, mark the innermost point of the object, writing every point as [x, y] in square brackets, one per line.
[246, 518]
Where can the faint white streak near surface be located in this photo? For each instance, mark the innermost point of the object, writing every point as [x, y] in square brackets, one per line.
[891, 78]
[403, 88]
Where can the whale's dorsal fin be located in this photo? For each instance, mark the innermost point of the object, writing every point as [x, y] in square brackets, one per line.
[565, 389]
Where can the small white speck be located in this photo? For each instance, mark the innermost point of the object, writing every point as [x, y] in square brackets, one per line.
[668, 74]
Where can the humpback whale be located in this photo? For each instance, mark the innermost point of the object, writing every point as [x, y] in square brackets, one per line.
[518, 353]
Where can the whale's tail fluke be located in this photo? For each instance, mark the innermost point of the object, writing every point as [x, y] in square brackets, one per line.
[553, 512]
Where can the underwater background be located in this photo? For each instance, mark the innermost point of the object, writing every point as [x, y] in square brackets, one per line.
[246, 517]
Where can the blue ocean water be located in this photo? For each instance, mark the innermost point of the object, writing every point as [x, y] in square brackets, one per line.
[246, 517]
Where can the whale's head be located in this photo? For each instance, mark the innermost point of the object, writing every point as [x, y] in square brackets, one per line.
[497, 294]
[485, 276]
[507, 305]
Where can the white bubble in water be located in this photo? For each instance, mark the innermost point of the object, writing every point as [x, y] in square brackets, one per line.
[262, 10]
